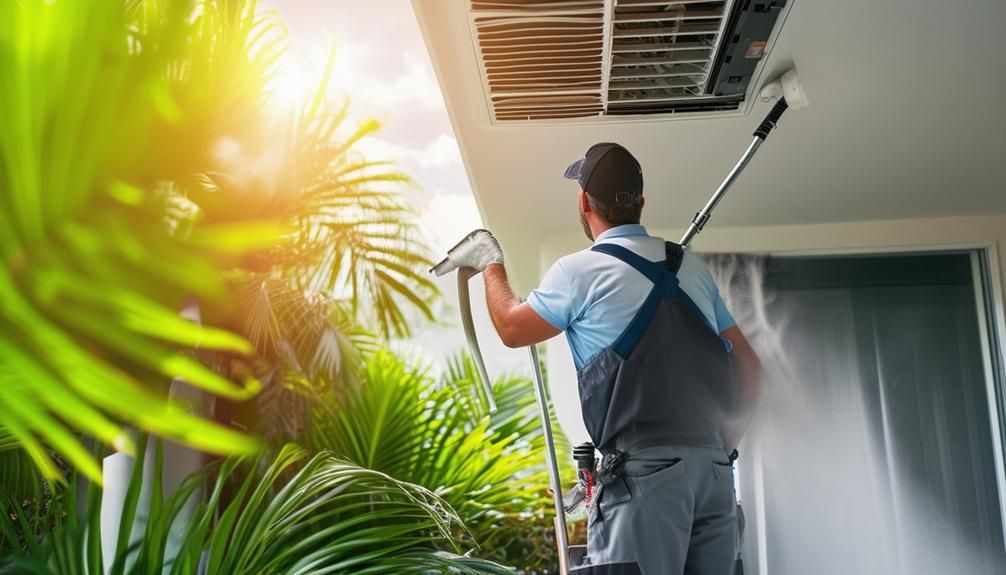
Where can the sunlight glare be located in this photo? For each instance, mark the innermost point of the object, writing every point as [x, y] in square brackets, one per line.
[300, 71]
[295, 80]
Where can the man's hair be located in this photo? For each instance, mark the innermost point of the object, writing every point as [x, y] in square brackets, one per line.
[617, 214]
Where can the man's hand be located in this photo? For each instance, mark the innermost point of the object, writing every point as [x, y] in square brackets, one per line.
[477, 250]
[517, 324]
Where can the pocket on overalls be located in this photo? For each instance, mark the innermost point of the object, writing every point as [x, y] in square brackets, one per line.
[608, 511]
[723, 470]
[643, 485]
[724, 497]
[610, 496]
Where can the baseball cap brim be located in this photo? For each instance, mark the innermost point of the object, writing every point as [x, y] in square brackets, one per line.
[573, 171]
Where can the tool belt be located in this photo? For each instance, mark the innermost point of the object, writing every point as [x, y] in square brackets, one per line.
[591, 475]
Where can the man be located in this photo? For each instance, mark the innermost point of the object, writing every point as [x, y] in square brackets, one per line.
[666, 378]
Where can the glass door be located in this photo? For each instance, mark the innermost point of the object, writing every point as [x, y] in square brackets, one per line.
[878, 445]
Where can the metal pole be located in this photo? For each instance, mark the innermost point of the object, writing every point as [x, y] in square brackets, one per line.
[702, 217]
[760, 134]
[561, 537]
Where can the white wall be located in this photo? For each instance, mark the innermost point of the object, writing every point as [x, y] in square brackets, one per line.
[858, 237]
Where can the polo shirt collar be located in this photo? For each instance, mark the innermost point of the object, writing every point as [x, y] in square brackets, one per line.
[622, 231]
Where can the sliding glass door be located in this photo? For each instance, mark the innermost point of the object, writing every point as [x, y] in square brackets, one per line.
[878, 446]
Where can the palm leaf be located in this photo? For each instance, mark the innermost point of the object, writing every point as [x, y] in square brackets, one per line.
[296, 515]
[92, 269]
[406, 424]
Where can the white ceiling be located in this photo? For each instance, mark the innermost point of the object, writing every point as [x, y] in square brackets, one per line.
[906, 120]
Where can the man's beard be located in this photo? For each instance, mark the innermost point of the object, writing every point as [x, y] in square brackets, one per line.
[583, 222]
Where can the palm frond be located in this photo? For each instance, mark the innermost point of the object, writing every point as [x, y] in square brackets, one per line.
[292, 515]
[91, 274]
[354, 237]
[404, 423]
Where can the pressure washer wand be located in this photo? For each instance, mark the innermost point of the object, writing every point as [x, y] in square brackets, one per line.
[790, 94]
[561, 537]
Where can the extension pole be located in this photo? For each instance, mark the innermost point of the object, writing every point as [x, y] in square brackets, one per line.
[561, 537]
[700, 219]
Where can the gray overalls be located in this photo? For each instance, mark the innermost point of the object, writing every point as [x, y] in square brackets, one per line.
[654, 403]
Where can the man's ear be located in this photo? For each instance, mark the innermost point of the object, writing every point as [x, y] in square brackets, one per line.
[642, 202]
[584, 203]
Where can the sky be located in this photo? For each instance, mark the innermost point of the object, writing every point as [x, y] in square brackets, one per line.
[382, 65]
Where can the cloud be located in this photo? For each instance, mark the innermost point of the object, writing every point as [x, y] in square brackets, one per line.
[417, 84]
[448, 218]
[373, 86]
[441, 152]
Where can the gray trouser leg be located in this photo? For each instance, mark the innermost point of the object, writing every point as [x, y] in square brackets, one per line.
[672, 513]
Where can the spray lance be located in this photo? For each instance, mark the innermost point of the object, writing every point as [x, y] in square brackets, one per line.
[789, 94]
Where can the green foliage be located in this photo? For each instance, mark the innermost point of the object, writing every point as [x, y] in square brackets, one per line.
[118, 204]
[140, 172]
[311, 308]
[91, 275]
[295, 515]
[354, 240]
[25, 497]
[490, 469]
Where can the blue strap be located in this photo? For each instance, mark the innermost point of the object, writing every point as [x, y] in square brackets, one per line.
[652, 270]
[665, 284]
[626, 342]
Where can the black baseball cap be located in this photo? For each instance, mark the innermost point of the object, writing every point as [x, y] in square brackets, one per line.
[608, 172]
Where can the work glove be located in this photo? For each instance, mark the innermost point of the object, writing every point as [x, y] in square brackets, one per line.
[478, 250]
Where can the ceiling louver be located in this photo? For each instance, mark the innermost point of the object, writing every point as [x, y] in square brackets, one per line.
[541, 59]
[552, 59]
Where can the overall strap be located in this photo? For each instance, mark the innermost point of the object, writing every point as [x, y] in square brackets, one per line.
[665, 284]
[652, 270]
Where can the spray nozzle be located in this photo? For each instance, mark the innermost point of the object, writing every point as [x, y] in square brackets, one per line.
[786, 87]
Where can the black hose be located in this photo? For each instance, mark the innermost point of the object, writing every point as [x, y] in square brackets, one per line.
[771, 119]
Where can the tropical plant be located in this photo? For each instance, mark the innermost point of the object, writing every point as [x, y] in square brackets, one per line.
[311, 308]
[295, 515]
[354, 243]
[490, 468]
[25, 497]
[92, 273]
[120, 202]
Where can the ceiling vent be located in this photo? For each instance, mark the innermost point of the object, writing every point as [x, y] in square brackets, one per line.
[558, 59]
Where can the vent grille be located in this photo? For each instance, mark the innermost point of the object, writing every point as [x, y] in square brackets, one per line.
[555, 59]
[662, 53]
[541, 60]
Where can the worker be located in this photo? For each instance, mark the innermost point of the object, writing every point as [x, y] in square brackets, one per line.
[666, 378]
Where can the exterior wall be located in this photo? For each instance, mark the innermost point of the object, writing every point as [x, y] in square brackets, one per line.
[860, 237]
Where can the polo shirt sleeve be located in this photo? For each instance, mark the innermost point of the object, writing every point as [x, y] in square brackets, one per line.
[554, 299]
[724, 319]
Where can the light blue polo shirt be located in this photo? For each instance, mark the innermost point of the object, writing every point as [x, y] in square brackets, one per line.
[593, 296]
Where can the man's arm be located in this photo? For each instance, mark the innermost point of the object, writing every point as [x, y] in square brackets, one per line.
[749, 380]
[517, 323]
